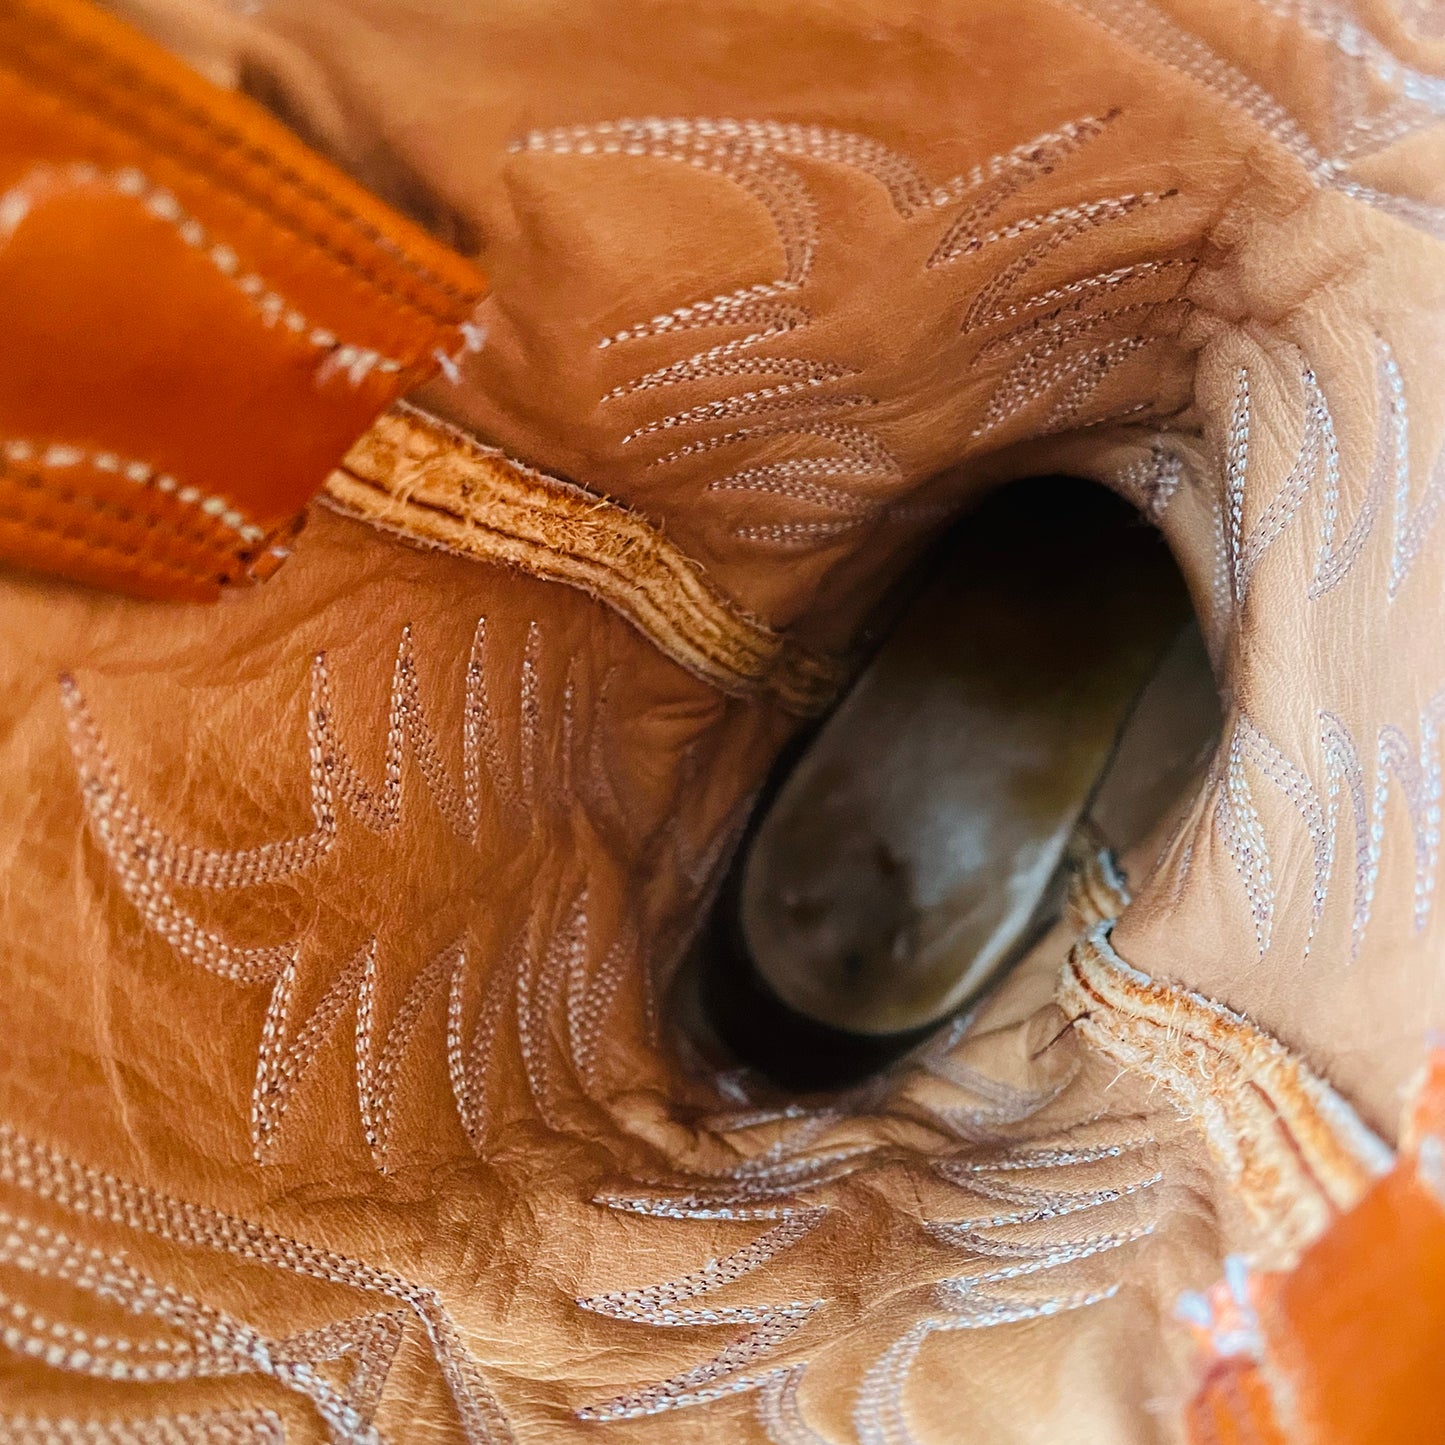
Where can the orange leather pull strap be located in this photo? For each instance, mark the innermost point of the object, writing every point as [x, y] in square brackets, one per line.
[199, 315]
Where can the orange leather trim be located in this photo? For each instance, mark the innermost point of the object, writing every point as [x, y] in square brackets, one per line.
[1358, 1330]
[1233, 1407]
[199, 315]
[1351, 1343]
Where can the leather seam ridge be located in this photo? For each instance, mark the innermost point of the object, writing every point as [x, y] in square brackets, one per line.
[502, 512]
[1291, 1147]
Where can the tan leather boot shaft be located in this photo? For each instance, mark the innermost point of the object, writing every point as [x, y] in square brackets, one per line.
[344, 1098]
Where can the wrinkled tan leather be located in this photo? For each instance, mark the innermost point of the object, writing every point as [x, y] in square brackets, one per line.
[1227, 258]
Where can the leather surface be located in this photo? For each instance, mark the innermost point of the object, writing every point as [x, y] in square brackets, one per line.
[341, 1091]
[1294, 1355]
[202, 315]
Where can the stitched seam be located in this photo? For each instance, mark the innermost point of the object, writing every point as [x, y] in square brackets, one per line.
[276, 313]
[1179, 1002]
[100, 65]
[73, 498]
[804, 693]
[489, 507]
[77, 503]
[94, 543]
[484, 528]
[142, 474]
[1292, 1147]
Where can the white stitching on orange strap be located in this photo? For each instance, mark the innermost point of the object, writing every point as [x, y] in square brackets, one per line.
[58, 456]
[354, 362]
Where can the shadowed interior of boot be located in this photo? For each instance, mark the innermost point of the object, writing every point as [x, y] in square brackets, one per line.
[1040, 689]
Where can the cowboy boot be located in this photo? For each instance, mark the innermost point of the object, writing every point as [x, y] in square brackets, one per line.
[352, 867]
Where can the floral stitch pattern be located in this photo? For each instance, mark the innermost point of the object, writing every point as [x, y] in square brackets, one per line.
[1145, 26]
[777, 1186]
[1415, 768]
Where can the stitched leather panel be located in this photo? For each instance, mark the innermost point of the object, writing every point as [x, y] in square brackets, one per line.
[334, 987]
[205, 314]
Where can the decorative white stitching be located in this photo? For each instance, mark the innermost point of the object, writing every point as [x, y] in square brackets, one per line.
[711, 1380]
[759, 156]
[92, 1194]
[1391, 457]
[382, 1075]
[758, 1189]
[880, 1417]
[779, 1412]
[1055, 1156]
[723, 360]
[864, 459]
[655, 1304]
[469, 1062]
[1355, 44]
[961, 1292]
[213, 1344]
[143, 859]
[1417, 770]
[763, 1188]
[1002, 1104]
[590, 999]
[1084, 372]
[1151, 482]
[541, 989]
[1244, 833]
[332, 777]
[216, 1427]
[1007, 174]
[354, 362]
[1060, 225]
[1317, 457]
[703, 1204]
[1245, 551]
[287, 1053]
[1072, 297]
[1144, 26]
[1412, 526]
[1415, 767]
[1039, 1204]
[57, 456]
[753, 403]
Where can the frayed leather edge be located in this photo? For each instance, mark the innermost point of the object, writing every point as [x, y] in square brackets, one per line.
[1292, 1149]
[419, 479]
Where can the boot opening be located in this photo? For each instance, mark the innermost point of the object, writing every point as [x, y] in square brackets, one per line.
[1040, 690]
